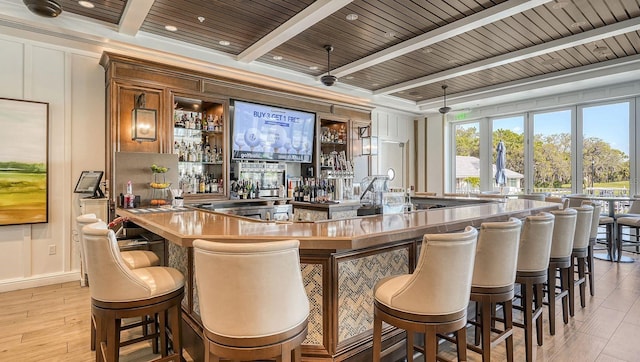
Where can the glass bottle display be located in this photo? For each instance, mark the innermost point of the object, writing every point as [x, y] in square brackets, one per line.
[198, 140]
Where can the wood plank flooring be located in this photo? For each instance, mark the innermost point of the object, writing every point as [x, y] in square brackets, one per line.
[51, 323]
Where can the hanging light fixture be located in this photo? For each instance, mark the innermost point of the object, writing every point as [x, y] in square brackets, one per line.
[444, 109]
[328, 79]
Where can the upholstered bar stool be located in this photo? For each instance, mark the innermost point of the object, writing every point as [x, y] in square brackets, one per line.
[118, 292]
[579, 255]
[608, 223]
[564, 228]
[431, 300]
[133, 258]
[632, 223]
[533, 262]
[564, 202]
[252, 300]
[493, 282]
[593, 236]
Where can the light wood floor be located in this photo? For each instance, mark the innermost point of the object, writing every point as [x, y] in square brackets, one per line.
[51, 323]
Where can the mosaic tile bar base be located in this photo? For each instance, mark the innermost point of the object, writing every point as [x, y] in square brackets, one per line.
[312, 279]
[356, 279]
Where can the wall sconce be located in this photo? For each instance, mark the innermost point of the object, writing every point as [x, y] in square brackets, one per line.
[144, 121]
[369, 142]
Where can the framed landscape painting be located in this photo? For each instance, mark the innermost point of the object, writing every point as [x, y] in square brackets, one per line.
[23, 162]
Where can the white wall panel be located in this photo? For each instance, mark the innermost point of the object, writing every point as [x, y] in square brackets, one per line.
[11, 251]
[72, 82]
[11, 69]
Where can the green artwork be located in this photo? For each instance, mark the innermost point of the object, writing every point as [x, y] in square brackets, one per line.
[23, 162]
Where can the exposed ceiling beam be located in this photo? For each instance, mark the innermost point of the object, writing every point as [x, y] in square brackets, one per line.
[477, 20]
[294, 26]
[133, 16]
[526, 53]
[607, 69]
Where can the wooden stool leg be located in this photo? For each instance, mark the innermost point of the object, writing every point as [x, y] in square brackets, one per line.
[430, 344]
[410, 342]
[591, 270]
[175, 321]
[111, 343]
[508, 326]
[461, 342]
[527, 300]
[551, 296]
[539, 296]
[377, 336]
[571, 286]
[564, 283]
[486, 330]
[163, 333]
[478, 332]
[581, 276]
[93, 332]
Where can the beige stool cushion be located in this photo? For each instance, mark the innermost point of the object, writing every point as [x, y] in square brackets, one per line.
[603, 220]
[629, 221]
[113, 281]
[135, 259]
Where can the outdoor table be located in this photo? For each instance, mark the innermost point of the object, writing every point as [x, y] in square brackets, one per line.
[611, 200]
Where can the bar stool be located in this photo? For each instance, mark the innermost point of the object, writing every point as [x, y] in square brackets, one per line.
[564, 202]
[493, 283]
[564, 228]
[118, 292]
[430, 300]
[533, 262]
[252, 300]
[608, 223]
[579, 255]
[633, 224]
[593, 236]
[133, 259]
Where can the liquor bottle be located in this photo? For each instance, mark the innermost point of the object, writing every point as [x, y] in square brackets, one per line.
[198, 122]
[201, 186]
[257, 192]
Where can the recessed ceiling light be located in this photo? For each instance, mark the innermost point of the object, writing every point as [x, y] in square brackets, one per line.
[427, 50]
[390, 34]
[352, 17]
[171, 28]
[401, 92]
[86, 4]
[600, 49]
[201, 19]
[348, 77]
[223, 42]
[375, 84]
[313, 67]
[451, 61]
[277, 57]
[578, 24]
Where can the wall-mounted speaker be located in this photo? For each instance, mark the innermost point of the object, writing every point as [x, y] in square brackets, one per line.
[45, 8]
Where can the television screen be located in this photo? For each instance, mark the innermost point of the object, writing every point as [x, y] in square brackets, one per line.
[263, 132]
[89, 182]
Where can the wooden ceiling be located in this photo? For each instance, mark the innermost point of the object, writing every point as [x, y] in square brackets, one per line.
[402, 48]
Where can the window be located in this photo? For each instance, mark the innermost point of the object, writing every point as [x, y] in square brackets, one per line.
[586, 149]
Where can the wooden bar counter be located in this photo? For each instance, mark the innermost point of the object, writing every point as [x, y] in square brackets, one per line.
[341, 260]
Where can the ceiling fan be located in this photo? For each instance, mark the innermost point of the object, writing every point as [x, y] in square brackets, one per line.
[328, 79]
[45, 8]
[444, 109]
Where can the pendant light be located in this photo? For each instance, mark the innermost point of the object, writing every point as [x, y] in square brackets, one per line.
[328, 79]
[444, 109]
